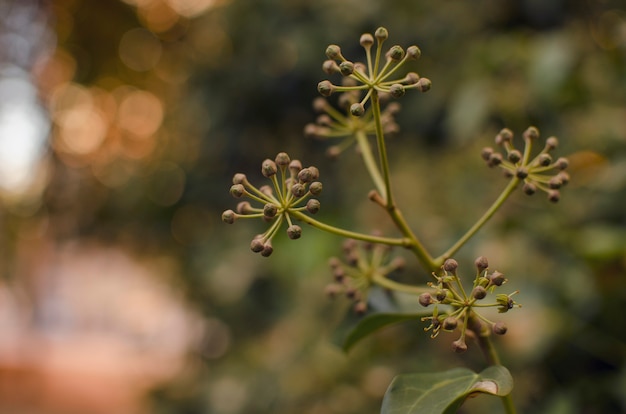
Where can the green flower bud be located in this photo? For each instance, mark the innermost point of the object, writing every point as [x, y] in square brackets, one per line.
[531, 133]
[424, 84]
[313, 206]
[325, 88]
[346, 68]
[481, 263]
[396, 53]
[381, 34]
[366, 40]
[315, 188]
[357, 109]
[268, 168]
[282, 159]
[425, 299]
[499, 328]
[333, 52]
[397, 90]
[237, 190]
[479, 292]
[270, 210]
[449, 324]
[413, 52]
[294, 232]
[229, 216]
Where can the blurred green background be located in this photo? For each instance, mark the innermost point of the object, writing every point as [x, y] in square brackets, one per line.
[122, 123]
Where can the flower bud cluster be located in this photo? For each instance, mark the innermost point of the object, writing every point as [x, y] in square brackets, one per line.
[540, 172]
[362, 264]
[341, 124]
[374, 75]
[461, 308]
[289, 193]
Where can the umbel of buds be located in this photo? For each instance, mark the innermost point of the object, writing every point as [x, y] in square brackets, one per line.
[454, 309]
[363, 264]
[290, 192]
[377, 75]
[540, 172]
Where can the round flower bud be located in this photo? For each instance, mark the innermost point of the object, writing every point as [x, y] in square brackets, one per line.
[479, 292]
[334, 262]
[315, 188]
[555, 182]
[360, 307]
[485, 153]
[505, 135]
[561, 163]
[544, 159]
[268, 168]
[552, 143]
[282, 159]
[320, 104]
[339, 274]
[521, 172]
[313, 206]
[305, 175]
[564, 177]
[244, 207]
[459, 346]
[531, 133]
[529, 188]
[450, 265]
[294, 232]
[496, 278]
[449, 324]
[424, 84]
[366, 40]
[239, 178]
[229, 216]
[514, 156]
[270, 210]
[346, 68]
[237, 190]
[267, 249]
[325, 88]
[425, 299]
[357, 109]
[411, 78]
[481, 263]
[413, 52]
[397, 90]
[330, 67]
[298, 189]
[499, 328]
[294, 167]
[495, 159]
[333, 52]
[396, 53]
[267, 190]
[554, 196]
[442, 295]
[381, 34]
[257, 245]
[332, 290]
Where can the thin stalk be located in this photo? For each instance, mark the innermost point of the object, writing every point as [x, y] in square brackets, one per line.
[370, 162]
[481, 222]
[404, 242]
[396, 286]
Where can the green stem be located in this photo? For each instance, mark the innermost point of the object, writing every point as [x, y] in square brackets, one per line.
[415, 245]
[404, 242]
[370, 162]
[481, 222]
[396, 286]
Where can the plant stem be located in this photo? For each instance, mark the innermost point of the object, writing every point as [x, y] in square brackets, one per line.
[399, 287]
[370, 162]
[404, 242]
[415, 245]
[481, 222]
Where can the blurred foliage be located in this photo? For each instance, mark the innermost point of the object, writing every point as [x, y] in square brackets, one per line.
[154, 104]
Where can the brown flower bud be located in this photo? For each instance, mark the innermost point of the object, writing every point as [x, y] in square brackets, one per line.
[330, 67]
[552, 143]
[268, 168]
[366, 40]
[496, 278]
[521, 172]
[381, 34]
[554, 196]
[357, 109]
[239, 178]
[294, 232]
[486, 152]
[237, 190]
[425, 299]
[229, 216]
[424, 84]
[561, 163]
[397, 90]
[450, 265]
[481, 263]
[298, 189]
[544, 159]
[479, 292]
[413, 52]
[325, 88]
[257, 244]
[459, 346]
[333, 52]
[313, 206]
[396, 53]
[514, 156]
[505, 135]
[282, 159]
[346, 68]
[270, 210]
[315, 188]
[499, 328]
[244, 207]
[450, 323]
[531, 133]
[529, 188]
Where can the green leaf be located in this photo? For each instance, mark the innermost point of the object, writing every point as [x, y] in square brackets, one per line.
[374, 322]
[443, 392]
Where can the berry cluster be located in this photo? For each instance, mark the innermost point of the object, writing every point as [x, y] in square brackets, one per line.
[290, 193]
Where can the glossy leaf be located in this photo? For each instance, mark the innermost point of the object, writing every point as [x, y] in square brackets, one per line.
[443, 392]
